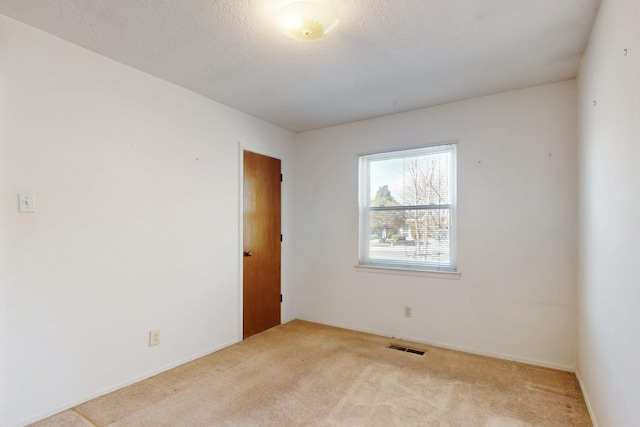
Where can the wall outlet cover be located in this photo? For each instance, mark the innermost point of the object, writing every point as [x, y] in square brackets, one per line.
[154, 337]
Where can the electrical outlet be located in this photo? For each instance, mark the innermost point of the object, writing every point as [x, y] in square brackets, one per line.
[407, 311]
[154, 337]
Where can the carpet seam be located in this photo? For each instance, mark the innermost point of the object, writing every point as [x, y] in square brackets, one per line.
[84, 418]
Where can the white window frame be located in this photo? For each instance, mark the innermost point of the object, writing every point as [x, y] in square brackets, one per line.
[365, 208]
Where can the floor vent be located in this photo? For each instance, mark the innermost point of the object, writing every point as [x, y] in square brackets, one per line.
[405, 349]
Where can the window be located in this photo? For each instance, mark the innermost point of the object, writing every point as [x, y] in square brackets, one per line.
[408, 208]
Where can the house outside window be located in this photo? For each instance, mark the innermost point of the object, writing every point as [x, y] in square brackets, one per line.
[407, 204]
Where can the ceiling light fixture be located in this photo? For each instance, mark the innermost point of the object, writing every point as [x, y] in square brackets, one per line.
[306, 20]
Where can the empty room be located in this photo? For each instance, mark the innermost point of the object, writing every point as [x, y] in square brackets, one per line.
[319, 212]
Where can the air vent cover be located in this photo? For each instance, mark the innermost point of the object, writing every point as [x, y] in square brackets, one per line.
[405, 349]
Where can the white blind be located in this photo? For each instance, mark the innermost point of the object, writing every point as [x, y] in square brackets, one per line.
[407, 208]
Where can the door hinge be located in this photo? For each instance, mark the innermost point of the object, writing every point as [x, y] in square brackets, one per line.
[280, 297]
[281, 237]
[280, 177]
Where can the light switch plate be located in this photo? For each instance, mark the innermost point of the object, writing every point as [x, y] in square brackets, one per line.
[26, 203]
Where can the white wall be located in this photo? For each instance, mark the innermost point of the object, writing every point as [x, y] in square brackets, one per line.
[517, 214]
[136, 184]
[609, 272]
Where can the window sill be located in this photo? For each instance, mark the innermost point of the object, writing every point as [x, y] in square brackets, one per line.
[449, 275]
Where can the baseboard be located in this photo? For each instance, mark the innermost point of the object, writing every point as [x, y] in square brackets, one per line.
[107, 390]
[449, 346]
[587, 401]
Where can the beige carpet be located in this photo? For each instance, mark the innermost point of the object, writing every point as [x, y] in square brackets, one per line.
[307, 374]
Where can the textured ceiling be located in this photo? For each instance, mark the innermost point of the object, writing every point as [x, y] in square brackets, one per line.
[385, 56]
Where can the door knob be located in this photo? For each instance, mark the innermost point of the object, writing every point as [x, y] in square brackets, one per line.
[248, 253]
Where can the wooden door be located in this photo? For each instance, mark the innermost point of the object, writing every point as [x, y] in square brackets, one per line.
[261, 241]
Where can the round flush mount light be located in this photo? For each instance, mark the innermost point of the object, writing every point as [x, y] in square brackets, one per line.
[306, 20]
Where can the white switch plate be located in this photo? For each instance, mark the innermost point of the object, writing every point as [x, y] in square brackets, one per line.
[26, 203]
[407, 311]
[154, 337]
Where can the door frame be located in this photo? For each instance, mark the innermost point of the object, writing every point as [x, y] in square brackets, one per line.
[241, 148]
